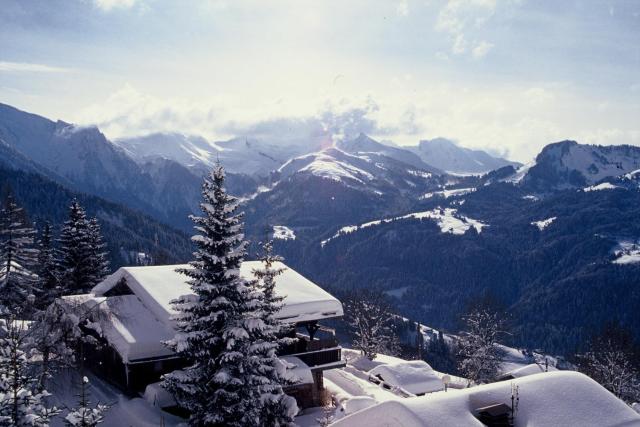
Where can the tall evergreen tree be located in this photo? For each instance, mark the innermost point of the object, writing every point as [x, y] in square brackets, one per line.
[216, 323]
[18, 256]
[277, 408]
[99, 256]
[48, 280]
[82, 252]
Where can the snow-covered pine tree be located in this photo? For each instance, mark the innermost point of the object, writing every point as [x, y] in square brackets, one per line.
[48, 280]
[99, 256]
[277, 408]
[19, 257]
[21, 404]
[218, 387]
[85, 414]
[76, 262]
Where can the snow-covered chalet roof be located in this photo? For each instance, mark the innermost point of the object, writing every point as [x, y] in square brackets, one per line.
[415, 377]
[562, 398]
[136, 325]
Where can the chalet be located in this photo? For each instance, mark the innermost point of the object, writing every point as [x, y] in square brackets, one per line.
[130, 313]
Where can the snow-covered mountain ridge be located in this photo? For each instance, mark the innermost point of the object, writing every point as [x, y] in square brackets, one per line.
[449, 156]
[567, 164]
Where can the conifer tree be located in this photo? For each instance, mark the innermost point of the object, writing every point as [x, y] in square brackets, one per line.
[100, 262]
[277, 408]
[215, 324]
[85, 415]
[48, 280]
[18, 256]
[82, 257]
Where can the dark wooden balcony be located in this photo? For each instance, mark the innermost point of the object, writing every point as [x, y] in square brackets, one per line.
[319, 347]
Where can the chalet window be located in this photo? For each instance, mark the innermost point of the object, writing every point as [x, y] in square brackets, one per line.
[121, 288]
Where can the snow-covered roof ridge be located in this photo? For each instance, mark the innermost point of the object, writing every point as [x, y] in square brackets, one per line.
[157, 286]
[138, 324]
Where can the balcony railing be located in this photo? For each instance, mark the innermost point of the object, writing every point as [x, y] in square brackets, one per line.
[321, 350]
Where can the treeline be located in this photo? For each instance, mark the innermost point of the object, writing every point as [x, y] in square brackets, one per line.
[127, 232]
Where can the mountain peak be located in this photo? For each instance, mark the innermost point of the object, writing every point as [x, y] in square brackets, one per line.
[446, 154]
[568, 164]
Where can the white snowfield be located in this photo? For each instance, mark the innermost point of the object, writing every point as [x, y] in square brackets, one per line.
[449, 193]
[124, 411]
[627, 252]
[282, 232]
[447, 219]
[542, 224]
[553, 399]
[600, 187]
[597, 162]
[331, 163]
[136, 325]
[521, 172]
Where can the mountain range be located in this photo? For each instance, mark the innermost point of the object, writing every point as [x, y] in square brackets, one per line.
[436, 225]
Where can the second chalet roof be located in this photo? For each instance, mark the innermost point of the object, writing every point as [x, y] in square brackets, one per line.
[157, 286]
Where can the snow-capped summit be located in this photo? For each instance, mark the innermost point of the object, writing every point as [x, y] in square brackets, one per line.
[371, 171]
[238, 155]
[445, 154]
[364, 145]
[189, 150]
[567, 164]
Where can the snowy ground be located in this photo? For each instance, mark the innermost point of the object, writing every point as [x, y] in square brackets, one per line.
[282, 232]
[542, 224]
[124, 412]
[447, 219]
[627, 252]
[564, 399]
[448, 193]
[600, 187]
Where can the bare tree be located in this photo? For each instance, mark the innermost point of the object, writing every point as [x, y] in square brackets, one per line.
[370, 320]
[612, 360]
[478, 352]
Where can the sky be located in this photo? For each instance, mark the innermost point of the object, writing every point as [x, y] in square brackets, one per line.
[508, 76]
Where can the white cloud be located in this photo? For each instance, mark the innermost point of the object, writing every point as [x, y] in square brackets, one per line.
[403, 8]
[517, 120]
[30, 67]
[107, 5]
[458, 17]
[459, 45]
[538, 96]
[481, 49]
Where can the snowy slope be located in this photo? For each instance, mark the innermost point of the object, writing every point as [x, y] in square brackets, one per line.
[449, 156]
[447, 219]
[372, 172]
[82, 159]
[190, 151]
[568, 164]
[364, 145]
[238, 155]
